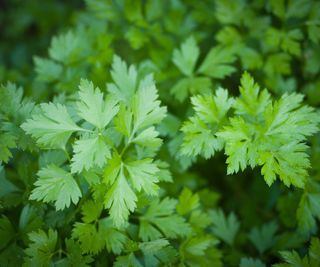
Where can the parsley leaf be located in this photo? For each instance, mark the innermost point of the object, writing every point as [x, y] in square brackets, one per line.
[270, 134]
[6, 231]
[47, 70]
[89, 151]
[143, 175]
[200, 130]
[52, 127]
[120, 198]
[125, 79]
[159, 220]
[217, 63]
[250, 262]
[56, 185]
[224, 227]
[41, 248]
[309, 209]
[93, 108]
[148, 138]
[187, 201]
[7, 142]
[186, 58]
[146, 106]
[292, 258]
[94, 237]
[196, 246]
[264, 238]
[75, 255]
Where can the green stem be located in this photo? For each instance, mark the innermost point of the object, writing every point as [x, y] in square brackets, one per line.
[128, 142]
[66, 153]
[78, 208]
[109, 142]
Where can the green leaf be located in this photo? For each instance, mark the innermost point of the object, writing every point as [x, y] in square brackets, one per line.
[287, 118]
[95, 237]
[56, 185]
[229, 36]
[155, 253]
[290, 42]
[217, 63]
[75, 257]
[114, 238]
[7, 142]
[143, 175]
[148, 138]
[187, 201]
[11, 99]
[123, 121]
[289, 124]
[164, 174]
[136, 37]
[212, 109]
[239, 146]
[278, 8]
[146, 106]
[89, 151]
[123, 177]
[112, 169]
[200, 131]
[250, 262]
[199, 139]
[15, 110]
[9, 192]
[197, 246]
[163, 256]
[56, 157]
[287, 41]
[229, 12]
[160, 220]
[292, 258]
[92, 106]
[7, 231]
[52, 126]
[186, 58]
[277, 63]
[125, 80]
[191, 85]
[263, 238]
[224, 227]
[250, 58]
[91, 211]
[298, 9]
[41, 248]
[120, 199]
[68, 48]
[251, 101]
[314, 252]
[12, 256]
[289, 161]
[309, 208]
[90, 241]
[128, 260]
[270, 134]
[100, 9]
[47, 70]
[153, 246]
[199, 220]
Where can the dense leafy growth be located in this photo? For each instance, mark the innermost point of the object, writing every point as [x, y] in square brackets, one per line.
[160, 133]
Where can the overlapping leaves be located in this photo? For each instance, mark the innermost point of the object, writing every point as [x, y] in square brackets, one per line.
[263, 132]
[97, 125]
